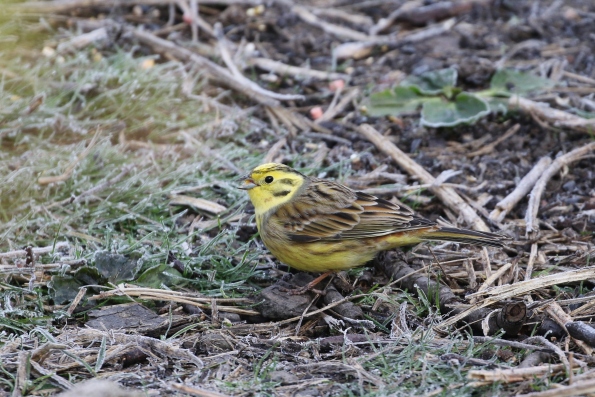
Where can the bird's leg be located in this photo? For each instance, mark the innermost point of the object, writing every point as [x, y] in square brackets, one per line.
[307, 287]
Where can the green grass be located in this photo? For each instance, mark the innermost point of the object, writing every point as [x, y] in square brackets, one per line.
[113, 96]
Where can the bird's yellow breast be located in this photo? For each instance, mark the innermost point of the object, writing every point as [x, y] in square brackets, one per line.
[326, 255]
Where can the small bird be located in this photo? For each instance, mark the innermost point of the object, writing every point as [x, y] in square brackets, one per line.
[317, 225]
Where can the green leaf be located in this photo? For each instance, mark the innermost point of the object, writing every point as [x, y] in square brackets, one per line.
[432, 83]
[396, 101]
[507, 82]
[156, 276]
[64, 289]
[466, 108]
[117, 267]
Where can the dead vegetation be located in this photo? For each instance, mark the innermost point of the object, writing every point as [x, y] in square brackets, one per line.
[128, 255]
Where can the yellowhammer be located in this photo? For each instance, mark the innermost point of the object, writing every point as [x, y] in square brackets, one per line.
[317, 225]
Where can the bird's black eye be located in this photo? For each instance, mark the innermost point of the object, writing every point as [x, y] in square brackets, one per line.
[269, 179]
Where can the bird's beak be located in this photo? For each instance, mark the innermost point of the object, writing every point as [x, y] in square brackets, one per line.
[248, 183]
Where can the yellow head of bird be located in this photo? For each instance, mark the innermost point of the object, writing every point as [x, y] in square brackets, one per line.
[271, 184]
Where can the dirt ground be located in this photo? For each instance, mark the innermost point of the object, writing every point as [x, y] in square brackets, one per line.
[404, 325]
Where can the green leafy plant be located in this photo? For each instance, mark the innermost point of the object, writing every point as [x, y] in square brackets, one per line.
[444, 105]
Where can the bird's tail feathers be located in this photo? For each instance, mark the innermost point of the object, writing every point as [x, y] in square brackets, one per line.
[465, 236]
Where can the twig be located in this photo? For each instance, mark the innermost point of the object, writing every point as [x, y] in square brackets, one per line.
[514, 374]
[495, 276]
[578, 77]
[76, 300]
[196, 391]
[83, 40]
[62, 6]
[356, 49]
[63, 383]
[20, 381]
[563, 319]
[274, 150]
[418, 13]
[164, 348]
[531, 262]
[164, 295]
[332, 111]
[295, 71]
[524, 186]
[239, 77]
[583, 388]
[216, 72]
[336, 30]
[491, 146]
[557, 117]
[37, 251]
[447, 195]
[509, 343]
[197, 21]
[542, 341]
[384, 23]
[504, 292]
[554, 168]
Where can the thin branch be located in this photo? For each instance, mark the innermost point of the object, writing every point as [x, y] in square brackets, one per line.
[507, 204]
[553, 169]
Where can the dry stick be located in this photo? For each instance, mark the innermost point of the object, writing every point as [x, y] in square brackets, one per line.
[554, 168]
[76, 301]
[557, 117]
[514, 374]
[63, 383]
[508, 291]
[509, 343]
[495, 276]
[333, 111]
[487, 265]
[164, 348]
[491, 146]
[541, 340]
[418, 13]
[239, 77]
[447, 195]
[578, 77]
[214, 71]
[20, 381]
[63, 6]
[37, 251]
[197, 21]
[524, 186]
[196, 391]
[44, 180]
[531, 262]
[384, 23]
[296, 72]
[274, 150]
[578, 388]
[348, 50]
[559, 316]
[336, 30]
[83, 40]
[164, 296]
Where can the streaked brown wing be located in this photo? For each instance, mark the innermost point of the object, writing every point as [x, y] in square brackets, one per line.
[330, 211]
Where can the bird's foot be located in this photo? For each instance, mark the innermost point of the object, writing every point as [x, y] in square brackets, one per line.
[308, 287]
